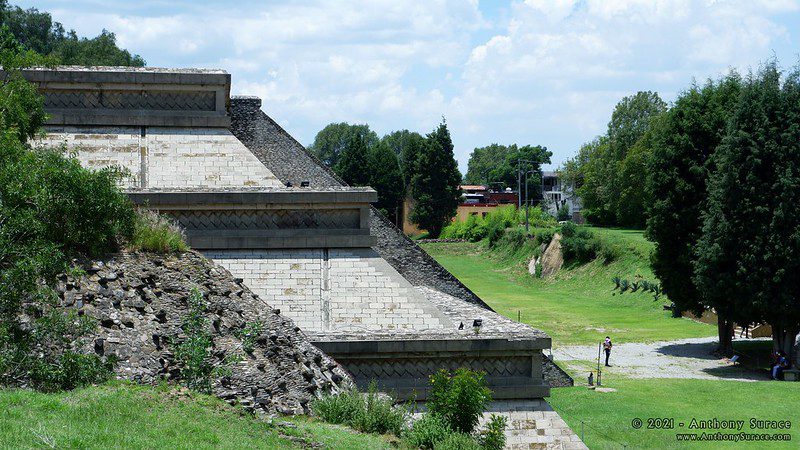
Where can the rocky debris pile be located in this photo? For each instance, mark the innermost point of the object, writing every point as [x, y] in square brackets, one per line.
[140, 301]
[551, 260]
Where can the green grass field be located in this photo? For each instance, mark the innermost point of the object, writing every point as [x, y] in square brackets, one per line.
[577, 306]
[607, 417]
[126, 416]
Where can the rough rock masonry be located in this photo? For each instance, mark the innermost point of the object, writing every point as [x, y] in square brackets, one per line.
[140, 302]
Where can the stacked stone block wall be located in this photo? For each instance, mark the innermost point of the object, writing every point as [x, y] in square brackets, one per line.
[163, 157]
[333, 289]
[291, 162]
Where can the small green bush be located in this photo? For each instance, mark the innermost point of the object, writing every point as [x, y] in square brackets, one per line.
[513, 239]
[563, 214]
[249, 334]
[457, 441]
[193, 353]
[158, 234]
[493, 437]
[578, 244]
[494, 232]
[339, 408]
[369, 413]
[427, 431]
[460, 399]
[379, 415]
[544, 236]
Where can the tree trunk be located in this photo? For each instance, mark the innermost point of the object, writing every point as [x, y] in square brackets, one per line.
[784, 339]
[725, 331]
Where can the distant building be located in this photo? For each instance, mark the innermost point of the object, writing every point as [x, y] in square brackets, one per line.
[475, 200]
[557, 195]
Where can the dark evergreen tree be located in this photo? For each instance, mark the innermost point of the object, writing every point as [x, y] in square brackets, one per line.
[742, 257]
[435, 184]
[353, 165]
[683, 142]
[408, 157]
[386, 178]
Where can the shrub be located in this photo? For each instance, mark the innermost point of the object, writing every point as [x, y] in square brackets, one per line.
[578, 244]
[427, 431]
[156, 233]
[339, 408]
[544, 236]
[513, 239]
[379, 415]
[608, 251]
[369, 413]
[459, 399]
[249, 334]
[493, 437]
[563, 214]
[193, 353]
[494, 232]
[457, 441]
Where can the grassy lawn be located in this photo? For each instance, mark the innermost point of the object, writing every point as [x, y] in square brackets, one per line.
[607, 417]
[577, 306]
[127, 416]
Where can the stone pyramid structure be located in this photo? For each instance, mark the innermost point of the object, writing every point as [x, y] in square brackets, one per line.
[253, 200]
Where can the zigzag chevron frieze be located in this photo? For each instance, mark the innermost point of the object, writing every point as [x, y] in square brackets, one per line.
[150, 100]
[266, 219]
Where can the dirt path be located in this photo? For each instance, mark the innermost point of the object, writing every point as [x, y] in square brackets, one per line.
[683, 358]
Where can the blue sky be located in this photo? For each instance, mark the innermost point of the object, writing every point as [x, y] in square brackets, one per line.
[526, 72]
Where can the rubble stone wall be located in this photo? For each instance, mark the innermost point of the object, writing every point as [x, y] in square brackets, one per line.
[140, 303]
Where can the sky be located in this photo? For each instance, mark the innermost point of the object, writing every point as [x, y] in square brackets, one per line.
[533, 72]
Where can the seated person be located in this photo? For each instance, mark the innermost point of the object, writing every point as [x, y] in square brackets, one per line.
[779, 366]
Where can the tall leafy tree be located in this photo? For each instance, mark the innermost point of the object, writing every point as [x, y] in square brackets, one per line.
[38, 31]
[501, 164]
[612, 194]
[353, 166]
[405, 144]
[435, 182]
[387, 179]
[746, 266]
[683, 143]
[332, 140]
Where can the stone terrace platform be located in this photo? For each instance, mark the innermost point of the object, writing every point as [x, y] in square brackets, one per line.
[313, 251]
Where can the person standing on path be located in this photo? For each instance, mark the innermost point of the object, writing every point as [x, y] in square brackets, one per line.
[607, 348]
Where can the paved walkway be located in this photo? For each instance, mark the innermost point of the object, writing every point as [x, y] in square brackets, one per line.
[683, 358]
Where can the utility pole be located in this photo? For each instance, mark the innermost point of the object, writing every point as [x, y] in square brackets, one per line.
[519, 182]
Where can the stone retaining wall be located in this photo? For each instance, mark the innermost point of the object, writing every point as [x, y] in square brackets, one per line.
[140, 303]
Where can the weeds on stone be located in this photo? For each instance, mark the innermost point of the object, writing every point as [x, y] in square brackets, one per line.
[370, 413]
[155, 233]
[193, 353]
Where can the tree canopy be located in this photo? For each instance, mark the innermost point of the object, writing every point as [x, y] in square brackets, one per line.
[435, 184]
[610, 167]
[746, 266]
[406, 145]
[683, 143]
[387, 179]
[332, 140]
[499, 163]
[37, 31]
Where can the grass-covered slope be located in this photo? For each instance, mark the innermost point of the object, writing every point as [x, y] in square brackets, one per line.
[127, 416]
[577, 305]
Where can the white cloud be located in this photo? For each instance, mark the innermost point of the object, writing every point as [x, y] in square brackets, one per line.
[541, 72]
